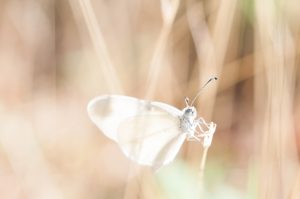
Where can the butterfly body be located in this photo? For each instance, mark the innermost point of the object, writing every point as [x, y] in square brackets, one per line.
[188, 122]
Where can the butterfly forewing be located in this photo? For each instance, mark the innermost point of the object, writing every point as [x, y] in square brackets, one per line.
[109, 111]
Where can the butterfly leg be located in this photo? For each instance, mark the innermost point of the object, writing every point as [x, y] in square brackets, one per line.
[198, 123]
[196, 136]
[209, 134]
[205, 134]
[193, 138]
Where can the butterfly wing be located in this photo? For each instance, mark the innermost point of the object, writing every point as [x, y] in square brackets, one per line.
[147, 132]
[109, 111]
[151, 139]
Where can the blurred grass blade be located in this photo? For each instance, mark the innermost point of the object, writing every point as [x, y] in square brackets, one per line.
[110, 73]
[169, 9]
[274, 101]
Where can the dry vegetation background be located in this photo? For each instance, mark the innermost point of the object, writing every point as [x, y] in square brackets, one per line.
[57, 55]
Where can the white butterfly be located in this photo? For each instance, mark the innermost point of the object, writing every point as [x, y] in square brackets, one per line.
[148, 132]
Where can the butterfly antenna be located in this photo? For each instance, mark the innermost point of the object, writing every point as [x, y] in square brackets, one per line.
[187, 101]
[213, 78]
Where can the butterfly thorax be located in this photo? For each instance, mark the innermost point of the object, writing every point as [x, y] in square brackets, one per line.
[187, 121]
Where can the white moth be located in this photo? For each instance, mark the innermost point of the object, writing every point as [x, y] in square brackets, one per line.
[148, 132]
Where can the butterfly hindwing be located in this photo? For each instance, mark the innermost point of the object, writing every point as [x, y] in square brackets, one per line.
[151, 139]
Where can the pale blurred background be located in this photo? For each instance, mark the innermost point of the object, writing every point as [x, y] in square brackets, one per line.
[57, 55]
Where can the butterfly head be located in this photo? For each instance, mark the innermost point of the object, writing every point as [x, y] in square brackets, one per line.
[189, 111]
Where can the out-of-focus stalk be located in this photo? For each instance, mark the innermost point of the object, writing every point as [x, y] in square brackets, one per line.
[274, 91]
[111, 78]
[169, 9]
